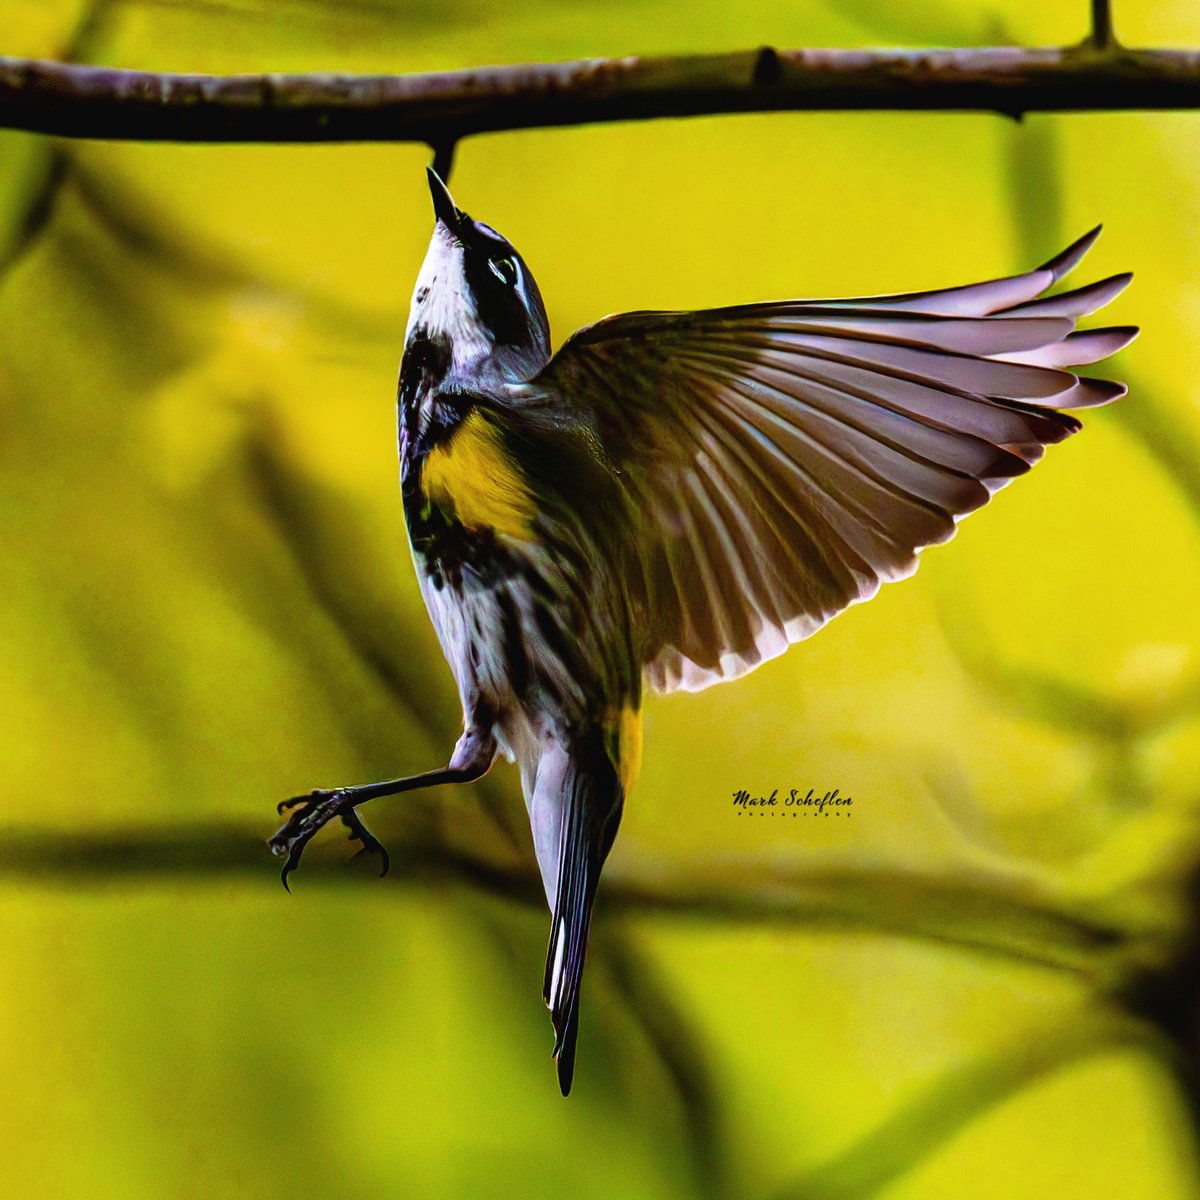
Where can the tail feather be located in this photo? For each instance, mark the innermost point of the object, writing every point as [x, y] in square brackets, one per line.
[592, 800]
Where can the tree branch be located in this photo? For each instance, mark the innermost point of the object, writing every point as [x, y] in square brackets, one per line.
[438, 109]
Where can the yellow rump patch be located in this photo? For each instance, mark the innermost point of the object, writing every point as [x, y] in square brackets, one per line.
[471, 476]
[629, 747]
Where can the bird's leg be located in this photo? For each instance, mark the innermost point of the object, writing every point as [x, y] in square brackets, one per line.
[472, 757]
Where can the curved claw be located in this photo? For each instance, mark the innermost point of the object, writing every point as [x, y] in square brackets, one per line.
[370, 843]
[382, 852]
[294, 848]
[295, 801]
[288, 868]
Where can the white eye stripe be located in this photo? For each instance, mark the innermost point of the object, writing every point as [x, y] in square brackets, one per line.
[506, 270]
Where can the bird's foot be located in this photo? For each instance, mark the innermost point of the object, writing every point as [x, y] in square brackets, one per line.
[307, 814]
[312, 812]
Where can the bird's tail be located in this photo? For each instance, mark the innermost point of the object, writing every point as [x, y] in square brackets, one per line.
[592, 797]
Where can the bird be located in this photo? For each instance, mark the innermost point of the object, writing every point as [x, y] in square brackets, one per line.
[674, 498]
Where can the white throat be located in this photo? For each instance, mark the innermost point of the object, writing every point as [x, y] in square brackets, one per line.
[442, 304]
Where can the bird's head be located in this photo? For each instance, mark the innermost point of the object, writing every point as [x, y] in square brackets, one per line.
[476, 299]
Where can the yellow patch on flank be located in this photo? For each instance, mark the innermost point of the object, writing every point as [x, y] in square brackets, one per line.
[629, 747]
[471, 475]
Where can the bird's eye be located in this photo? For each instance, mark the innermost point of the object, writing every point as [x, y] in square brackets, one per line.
[504, 270]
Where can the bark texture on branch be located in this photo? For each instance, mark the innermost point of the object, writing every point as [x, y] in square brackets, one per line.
[103, 102]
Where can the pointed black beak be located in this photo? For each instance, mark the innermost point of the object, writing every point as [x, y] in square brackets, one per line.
[443, 202]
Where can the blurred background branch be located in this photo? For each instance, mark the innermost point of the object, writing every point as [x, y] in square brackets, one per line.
[70, 100]
[1002, 916]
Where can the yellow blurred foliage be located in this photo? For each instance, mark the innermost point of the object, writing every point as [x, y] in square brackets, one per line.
[209, 605]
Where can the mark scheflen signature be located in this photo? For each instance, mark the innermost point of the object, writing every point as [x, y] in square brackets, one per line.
[794, 802]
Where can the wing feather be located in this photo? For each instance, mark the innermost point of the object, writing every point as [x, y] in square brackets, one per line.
[787, 458]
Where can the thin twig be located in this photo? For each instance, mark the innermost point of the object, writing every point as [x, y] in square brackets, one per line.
[102, 102]
[1102, 26]
[443, 159]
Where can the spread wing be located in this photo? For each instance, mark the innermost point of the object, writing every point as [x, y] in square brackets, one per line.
[787, 458]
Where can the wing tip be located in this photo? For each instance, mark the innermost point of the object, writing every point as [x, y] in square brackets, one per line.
[1088, 392]
[1068, 259]
[1106, 290]
[1122, 334]
[1103, 392]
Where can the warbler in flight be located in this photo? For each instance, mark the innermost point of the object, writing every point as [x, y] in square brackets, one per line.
[674, 498]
